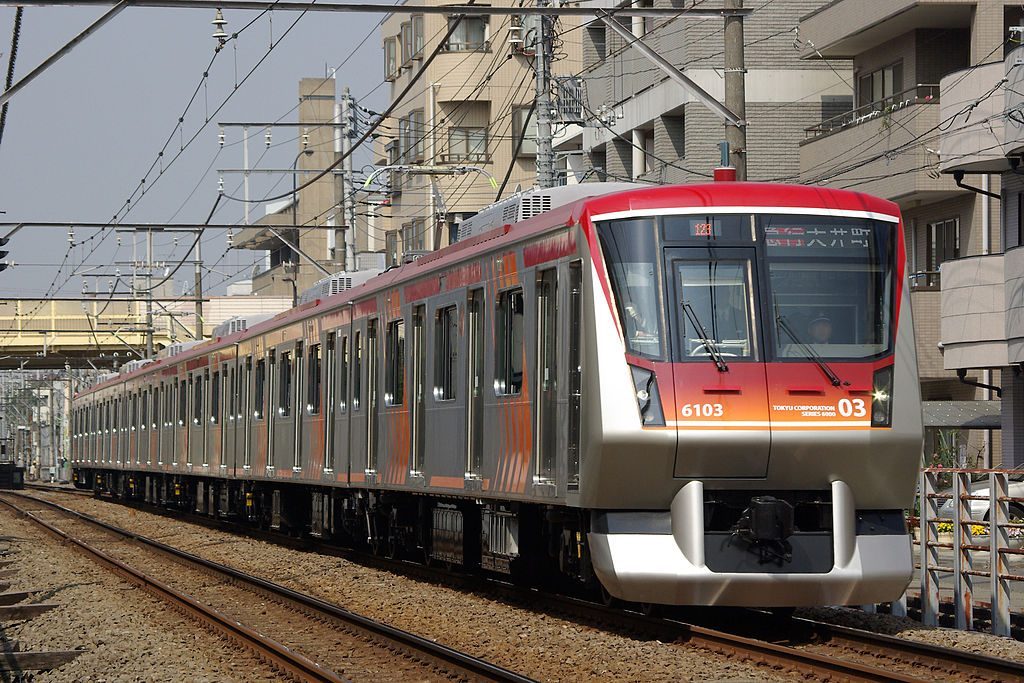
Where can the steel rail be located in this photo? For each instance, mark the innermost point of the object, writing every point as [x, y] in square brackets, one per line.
[931, 657]
[449, 657]
[279, 655]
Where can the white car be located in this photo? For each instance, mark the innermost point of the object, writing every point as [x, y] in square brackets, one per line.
[980, 508]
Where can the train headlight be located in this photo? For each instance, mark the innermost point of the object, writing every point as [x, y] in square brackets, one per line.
[648, 400]
[881, 398]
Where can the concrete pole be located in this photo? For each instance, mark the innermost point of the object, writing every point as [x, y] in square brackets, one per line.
[735, 89]
[62, 473]
[348, 197]
[149, 294]
[542, 61]
[199, 286]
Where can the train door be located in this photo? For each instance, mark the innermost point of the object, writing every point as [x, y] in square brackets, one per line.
[215, 440]
[372, 404]
[229, 423]
[417, 401]
[546, 403]
[334, 398]
[144, 431]
[296, 391]
[314, 430]
[719, 371]
[475, 384]
[356, 452]
[574, 361]
[154, 424]
[283, 414]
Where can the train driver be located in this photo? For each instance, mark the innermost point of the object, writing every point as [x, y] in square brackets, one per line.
[820, 330]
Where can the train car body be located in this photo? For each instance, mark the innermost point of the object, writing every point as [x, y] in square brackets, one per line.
[699, 394]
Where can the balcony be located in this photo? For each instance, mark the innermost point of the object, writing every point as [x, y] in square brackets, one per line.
[973, 312]
[1013, 94]
[922, 93]
[876, 149]
[844, 29]
[972, 116]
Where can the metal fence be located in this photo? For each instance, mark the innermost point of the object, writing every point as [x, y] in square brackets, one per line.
[978, 530]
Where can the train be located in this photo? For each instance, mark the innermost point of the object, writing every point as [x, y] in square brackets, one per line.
[701, 394]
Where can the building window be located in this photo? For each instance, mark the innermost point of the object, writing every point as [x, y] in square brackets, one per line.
[391, 248]
[521, 116]
[596, 36]
[394, 375]
[508, 347]
[259, 389]
[470, 34]
[879, 86]
[417, 134]
[446, 336]
[406, 37]
[943, 245]
[417, 37]
[414, 236]
[390, 59]
[313, 380]
[467, 144]
[284, 383]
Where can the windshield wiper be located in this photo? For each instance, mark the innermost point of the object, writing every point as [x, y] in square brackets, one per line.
[810, 353]
[712, 348]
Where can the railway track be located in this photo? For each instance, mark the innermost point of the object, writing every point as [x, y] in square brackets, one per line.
[292, 625]
[803, 646]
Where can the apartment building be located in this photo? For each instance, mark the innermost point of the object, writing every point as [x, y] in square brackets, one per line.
[922, 71]
[643, 127]
[455, 136]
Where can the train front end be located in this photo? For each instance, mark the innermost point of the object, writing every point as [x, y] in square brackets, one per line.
[754, 424]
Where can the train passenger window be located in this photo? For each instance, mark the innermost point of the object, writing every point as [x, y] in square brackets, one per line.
[313, 380]
[631, 255]
[258, 390]
[215, 399]
[143, 412]
[508, 349]
[232, 392]
[714, 308]
[134, 419]
[155, 397]
[343, 372]
[284, 383]
[446, 341]
[394, 359]
[197, 399]
[182, 402]
[357, 372]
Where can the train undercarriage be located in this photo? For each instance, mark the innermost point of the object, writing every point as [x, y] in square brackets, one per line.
[529, 543]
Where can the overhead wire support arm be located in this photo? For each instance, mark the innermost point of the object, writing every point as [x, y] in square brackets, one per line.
[65, 49]
[296, 249]
[670, 70]
[367, 7]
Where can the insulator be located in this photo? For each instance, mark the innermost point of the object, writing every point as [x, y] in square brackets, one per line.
[220, 137]
[266, 137]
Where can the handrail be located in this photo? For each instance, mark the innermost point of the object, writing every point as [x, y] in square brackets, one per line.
[922, 93]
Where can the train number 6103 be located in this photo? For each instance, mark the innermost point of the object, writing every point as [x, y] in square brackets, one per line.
[702, 410]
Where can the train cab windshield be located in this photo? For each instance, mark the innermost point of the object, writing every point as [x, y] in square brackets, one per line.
[752, 287]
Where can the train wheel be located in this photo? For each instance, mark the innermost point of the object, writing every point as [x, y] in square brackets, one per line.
[650, 609]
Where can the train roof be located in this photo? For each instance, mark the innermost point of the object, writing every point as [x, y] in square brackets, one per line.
[745, 195]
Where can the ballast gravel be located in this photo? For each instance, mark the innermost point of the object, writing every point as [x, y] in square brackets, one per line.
[543, 646]
[125, 634]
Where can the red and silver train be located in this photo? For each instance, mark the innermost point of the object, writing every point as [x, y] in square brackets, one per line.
[698, 395]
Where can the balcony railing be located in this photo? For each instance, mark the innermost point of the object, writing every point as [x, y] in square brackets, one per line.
[465, 157]
[925, 280]
[922, 93]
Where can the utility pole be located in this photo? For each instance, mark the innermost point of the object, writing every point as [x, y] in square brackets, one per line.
[66, 435]
[348, 133]
[542, 60]
[735, 89]
[149, 294]
[199, 286]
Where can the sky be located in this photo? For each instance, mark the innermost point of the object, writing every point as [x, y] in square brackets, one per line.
[80, 137]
